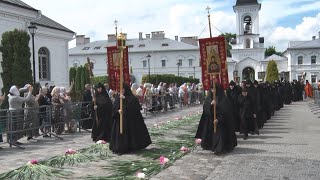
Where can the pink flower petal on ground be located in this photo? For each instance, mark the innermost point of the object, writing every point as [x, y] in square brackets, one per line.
[184, 149]
[163, 160]
[198, 141]
[33, 162]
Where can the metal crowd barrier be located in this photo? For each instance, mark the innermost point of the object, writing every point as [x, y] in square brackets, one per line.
[48, 121]
[154, 104]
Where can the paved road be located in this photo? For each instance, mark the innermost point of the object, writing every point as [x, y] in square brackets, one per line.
[12, 158]
[288, 148]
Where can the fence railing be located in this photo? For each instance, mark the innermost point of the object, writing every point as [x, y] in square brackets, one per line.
[169, 101]
[53, 120]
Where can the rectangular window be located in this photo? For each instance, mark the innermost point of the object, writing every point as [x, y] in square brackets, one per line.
[300, 60]
[313, 59]
[180, 62]
[144, 63]
[313, 79]
[190, 62]
[163, 63]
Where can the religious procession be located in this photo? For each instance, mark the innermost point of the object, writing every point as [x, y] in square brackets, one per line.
[113, 112]
[106, 108]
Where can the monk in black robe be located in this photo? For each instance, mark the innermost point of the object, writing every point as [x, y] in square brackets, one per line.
[246, 113]
[102, 120]
[224, 139]
[255, 102]
[287, 93]
[87, 110]
[135, 135]
[233, 93]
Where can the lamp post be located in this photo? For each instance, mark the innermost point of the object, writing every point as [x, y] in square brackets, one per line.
[178, 64]
[148, 56]
[194, 72]
[32, 29]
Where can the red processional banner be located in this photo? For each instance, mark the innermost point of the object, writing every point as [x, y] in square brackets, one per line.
[213, 61]
[113, 54]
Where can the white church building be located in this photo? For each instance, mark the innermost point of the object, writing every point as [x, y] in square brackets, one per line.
[248, 52]
[152, 53]
[51, 40]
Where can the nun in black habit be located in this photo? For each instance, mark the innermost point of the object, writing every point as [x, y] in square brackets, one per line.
[135, 135]
[102, 119]
[233, 93]
[224, 139]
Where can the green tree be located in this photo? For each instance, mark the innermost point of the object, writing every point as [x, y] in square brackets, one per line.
[16, 65]
[271, 50]
[77, 82]
[72, 74]
[272, 71]
[229, 37]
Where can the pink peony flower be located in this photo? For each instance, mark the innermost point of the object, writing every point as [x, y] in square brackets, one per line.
[198, 141]
[70, 151]
[163, 160]
[33, 162]
[101, 142]
[184, 149]
[140, 175]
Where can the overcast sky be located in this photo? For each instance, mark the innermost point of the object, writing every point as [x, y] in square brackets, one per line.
[281, 21]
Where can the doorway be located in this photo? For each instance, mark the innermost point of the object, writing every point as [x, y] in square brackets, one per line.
[248, 73]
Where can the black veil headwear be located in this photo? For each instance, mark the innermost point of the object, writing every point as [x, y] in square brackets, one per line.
[127, 90]
[100, 85]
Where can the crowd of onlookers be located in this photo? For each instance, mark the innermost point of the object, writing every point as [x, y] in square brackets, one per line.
[29, 113]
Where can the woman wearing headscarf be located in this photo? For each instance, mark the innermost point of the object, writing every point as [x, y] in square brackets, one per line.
[31, 114]
[135, 135]
[102, 122]
[224, 139]
[43, 100]
[57, 111]
[15, 105]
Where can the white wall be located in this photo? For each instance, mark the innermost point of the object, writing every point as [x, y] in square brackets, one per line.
[136, 61]
[56, 41]
[310, 69]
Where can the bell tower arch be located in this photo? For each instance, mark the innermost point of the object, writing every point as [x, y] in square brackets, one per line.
[247, 13]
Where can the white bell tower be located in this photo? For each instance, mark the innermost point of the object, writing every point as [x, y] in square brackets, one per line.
[248, 50]
[247, 24]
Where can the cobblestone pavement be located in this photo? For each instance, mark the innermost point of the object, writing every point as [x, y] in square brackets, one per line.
[287, 148]
[44, 148]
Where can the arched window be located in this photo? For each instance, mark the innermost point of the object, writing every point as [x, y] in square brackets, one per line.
[44, 59]
[248, 43]
[247, 25]
[300, 60]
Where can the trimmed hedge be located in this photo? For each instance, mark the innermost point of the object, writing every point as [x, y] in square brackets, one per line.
[168, 78]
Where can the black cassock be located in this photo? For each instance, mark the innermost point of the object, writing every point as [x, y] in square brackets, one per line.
[101, 130]
[87, 110]
[246, 114]
[135, 134]
[233, 95]
[224, 139]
